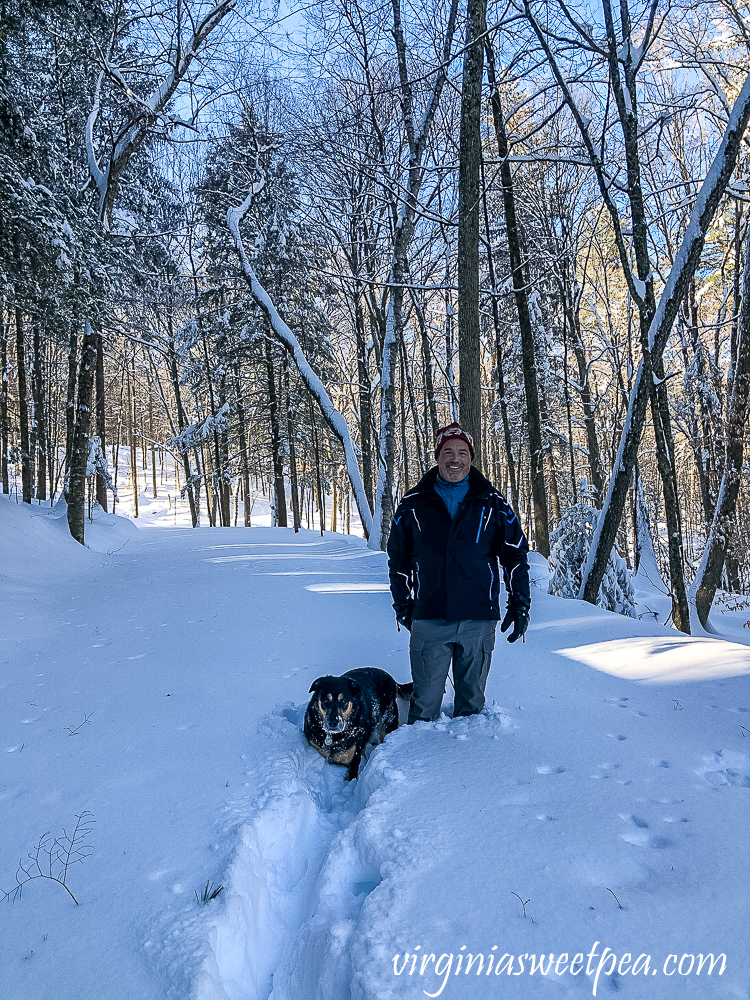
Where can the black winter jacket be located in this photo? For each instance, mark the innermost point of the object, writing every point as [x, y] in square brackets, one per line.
[443, 568]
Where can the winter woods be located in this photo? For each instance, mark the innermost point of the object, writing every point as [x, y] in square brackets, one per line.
[284, 261]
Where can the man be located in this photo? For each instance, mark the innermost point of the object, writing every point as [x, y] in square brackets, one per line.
[448, 536]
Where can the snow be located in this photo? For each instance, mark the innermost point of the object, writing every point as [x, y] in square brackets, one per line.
[596, 811]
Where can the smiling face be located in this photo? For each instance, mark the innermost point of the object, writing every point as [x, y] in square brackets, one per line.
[454, 461]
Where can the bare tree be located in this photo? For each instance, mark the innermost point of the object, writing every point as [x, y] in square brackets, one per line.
[417, 134]
[470, 147]
[708, 577]
[521, 296]
[623, 59]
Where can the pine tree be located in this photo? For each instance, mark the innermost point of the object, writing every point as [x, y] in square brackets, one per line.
[570, 543]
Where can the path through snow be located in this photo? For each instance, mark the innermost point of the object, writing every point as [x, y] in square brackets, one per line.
[608, 773]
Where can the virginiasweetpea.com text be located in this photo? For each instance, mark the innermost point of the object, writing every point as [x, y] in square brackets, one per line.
[437, 970]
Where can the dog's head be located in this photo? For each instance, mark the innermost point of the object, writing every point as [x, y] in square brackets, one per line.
[335, 701]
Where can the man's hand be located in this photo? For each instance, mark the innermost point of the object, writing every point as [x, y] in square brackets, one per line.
[405, 621]
[404, 617]
[518, 619]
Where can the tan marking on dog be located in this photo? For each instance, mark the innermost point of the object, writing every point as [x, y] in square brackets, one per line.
[323, 752]
[344, 756]
[346, 712]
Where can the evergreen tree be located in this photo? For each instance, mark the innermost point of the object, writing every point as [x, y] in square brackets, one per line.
[570, 542]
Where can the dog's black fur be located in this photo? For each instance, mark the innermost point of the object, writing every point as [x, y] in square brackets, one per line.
[348, 712]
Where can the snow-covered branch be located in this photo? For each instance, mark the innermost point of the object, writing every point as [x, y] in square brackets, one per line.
[144, 112]
[98, 176]
[333, 417]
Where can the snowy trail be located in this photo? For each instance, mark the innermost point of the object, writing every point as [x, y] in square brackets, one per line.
[317, 867]
[618, 766]
[272, 876]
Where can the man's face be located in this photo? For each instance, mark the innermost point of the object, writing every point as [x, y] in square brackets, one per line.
[454, 461]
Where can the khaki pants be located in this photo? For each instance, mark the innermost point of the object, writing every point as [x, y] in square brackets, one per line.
[434, 645]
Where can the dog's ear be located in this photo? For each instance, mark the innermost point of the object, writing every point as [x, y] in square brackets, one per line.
[316, 685]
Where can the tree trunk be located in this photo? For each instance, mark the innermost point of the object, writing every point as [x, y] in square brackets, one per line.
[553, 505]
[32, 396]
[181, 424]
[278, 463]
[296, 515]
[101, 422]
[449, 347]
[399, 277]
[402, 415]
[243, 445]
[204, 453]
[76, 495]
[571, 303]
[681, 274]
[4, 421]
[386, 474]
[217, 484]
[469, 334]
[70, 399]
[499, 352]
[665, 462]
[23, 409]
[708, 577]
[645, 555]
[151, 444]
[131, 443]
[530, 379]
[42, 442]
[408, 386]
[318, 479]
[431, 418]
[365, 399]
[695, 434]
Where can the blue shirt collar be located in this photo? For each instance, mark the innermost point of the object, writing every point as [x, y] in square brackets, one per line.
[447, 484]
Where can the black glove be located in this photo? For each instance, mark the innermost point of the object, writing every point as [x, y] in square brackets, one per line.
[518, 618]
[404, 617]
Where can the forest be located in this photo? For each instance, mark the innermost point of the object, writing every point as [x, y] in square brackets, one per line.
[278, 248]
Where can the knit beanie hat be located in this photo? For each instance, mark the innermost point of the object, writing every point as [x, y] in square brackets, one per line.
[453, 432]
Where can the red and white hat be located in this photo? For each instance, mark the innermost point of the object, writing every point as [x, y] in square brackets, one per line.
[453, 432]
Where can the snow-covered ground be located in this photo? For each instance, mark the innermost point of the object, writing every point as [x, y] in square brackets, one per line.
[596, 812]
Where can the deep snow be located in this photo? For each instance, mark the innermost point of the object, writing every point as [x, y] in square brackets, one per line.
[159, 680]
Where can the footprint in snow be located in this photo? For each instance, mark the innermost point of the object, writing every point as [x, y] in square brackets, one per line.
[547, 769]
[640, 823]
[605, 767]
[641, 837]
[623, 703]
[726, 767]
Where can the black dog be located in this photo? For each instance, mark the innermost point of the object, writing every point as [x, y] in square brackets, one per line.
[348, 712]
